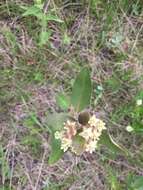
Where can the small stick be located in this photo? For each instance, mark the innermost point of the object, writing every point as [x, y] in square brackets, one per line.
[46, 5]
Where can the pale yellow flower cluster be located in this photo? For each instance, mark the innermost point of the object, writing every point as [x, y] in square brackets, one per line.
[66, 135]
[90, 132]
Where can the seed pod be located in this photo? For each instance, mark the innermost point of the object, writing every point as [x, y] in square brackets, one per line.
[83, 118]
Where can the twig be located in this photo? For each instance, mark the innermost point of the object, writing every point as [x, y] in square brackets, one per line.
[40, 170]
[28, 176]
[137, 36]
[46, 5]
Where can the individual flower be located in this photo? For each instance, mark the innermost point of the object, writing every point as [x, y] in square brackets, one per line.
[86, 133]
[65, 144]
[129, 128]
[58, 135]
[91, 146]
[139, 102]
[70, 129]
[93, 121]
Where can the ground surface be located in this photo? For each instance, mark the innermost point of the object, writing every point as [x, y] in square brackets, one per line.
[107, 36]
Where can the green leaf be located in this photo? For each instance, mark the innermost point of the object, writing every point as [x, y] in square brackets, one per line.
[81, 93]
[137, 184]
[31, 11]
[56, 121]
[56, 152]
[38, 76]
[66, 39]
[113, 179]
[78, 144]
[50, 17]
[63, 101]
[38, 2]
[107, 140]
[44, 37]
[139, 95]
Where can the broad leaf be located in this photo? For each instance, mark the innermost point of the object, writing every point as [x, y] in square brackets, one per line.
[108, 141]
[56, 152]
[63, 101]
[81, 93]
[56, 121]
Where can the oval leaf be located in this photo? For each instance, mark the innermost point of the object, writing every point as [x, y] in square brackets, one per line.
[56, 152]
[81, 92]
[56, 121]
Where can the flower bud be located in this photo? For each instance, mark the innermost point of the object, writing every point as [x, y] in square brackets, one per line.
[83, 118]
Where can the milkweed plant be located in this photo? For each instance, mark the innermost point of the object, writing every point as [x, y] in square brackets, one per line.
[75, 129]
